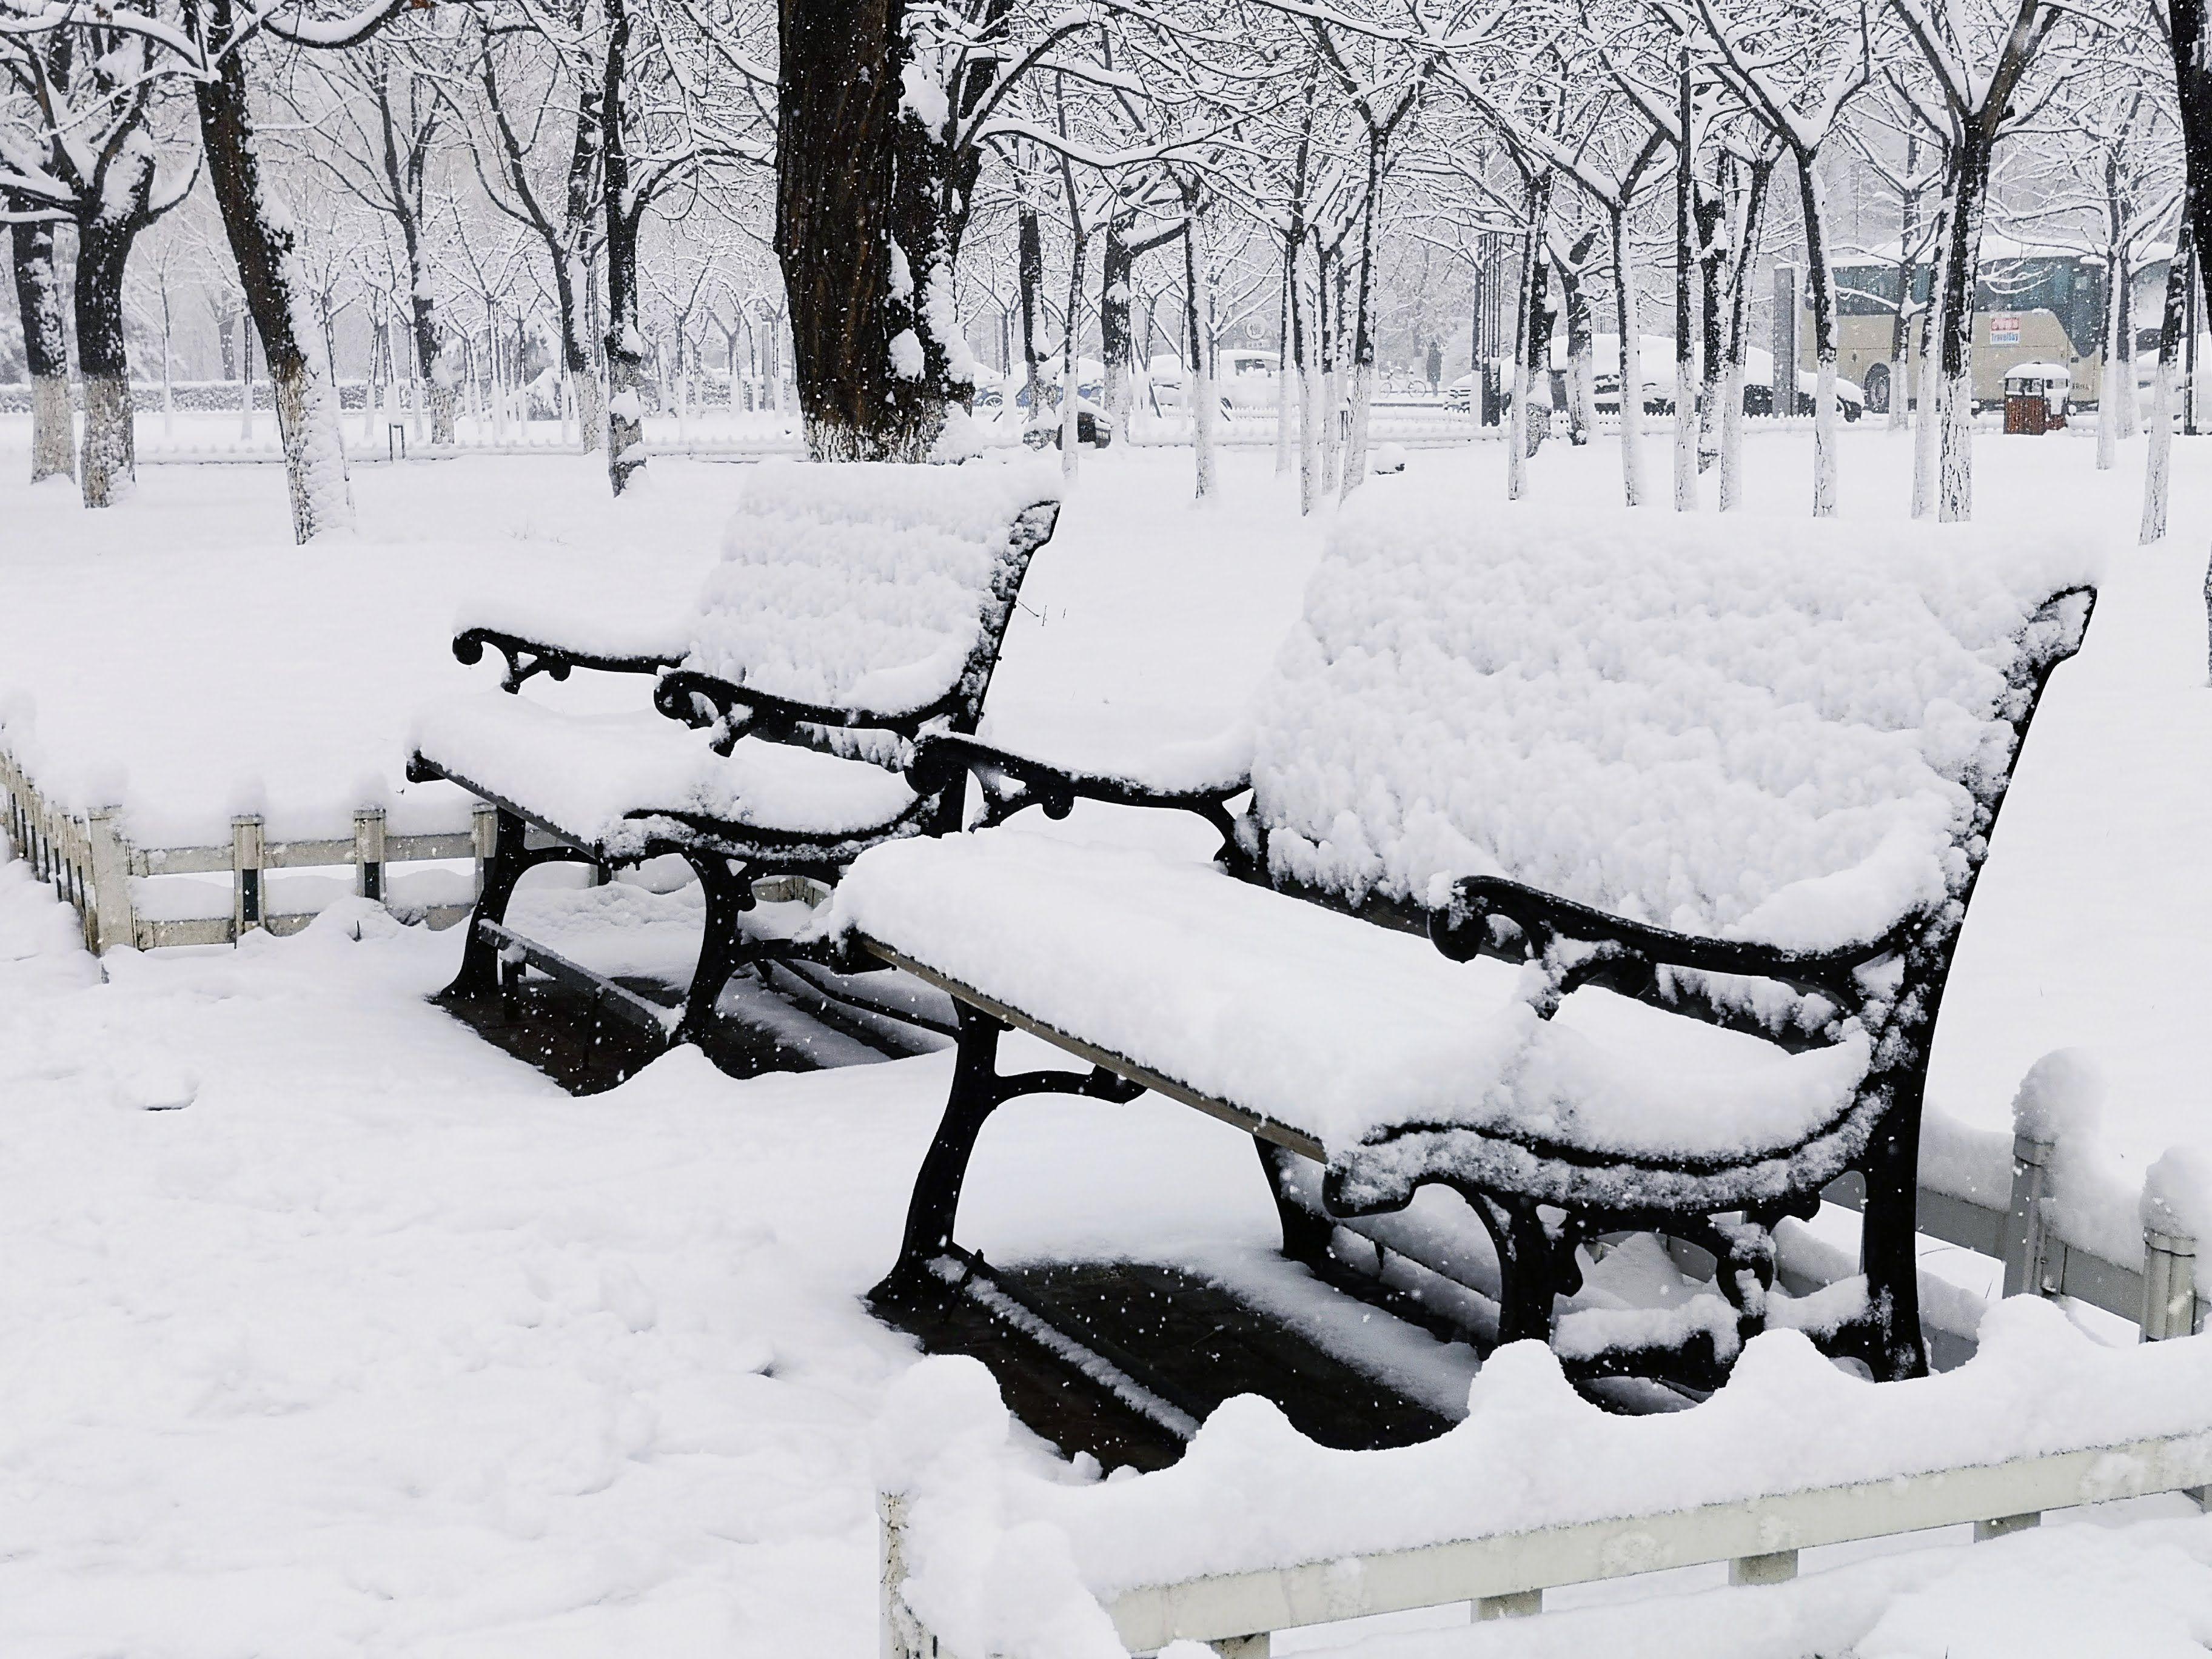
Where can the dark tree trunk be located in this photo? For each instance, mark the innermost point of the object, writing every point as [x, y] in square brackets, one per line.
[625, 343]
[1116, 343]
[869, 202]
[2192, 77]
[1710, 207]
[572, 271]
[37, 296]
[262, 241]
[103, 249]
[1031, 261]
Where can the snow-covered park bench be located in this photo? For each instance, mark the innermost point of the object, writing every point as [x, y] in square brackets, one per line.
[1690, 810]
[855, 608]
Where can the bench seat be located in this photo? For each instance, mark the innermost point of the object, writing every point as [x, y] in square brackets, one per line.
[1340, 1036]
[608, 780]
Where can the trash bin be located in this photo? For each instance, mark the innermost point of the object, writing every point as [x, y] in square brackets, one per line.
[2035, 398]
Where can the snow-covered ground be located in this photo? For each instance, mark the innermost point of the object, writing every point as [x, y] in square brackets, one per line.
[381, 1344]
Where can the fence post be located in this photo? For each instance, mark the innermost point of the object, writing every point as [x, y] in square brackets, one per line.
[247, 899]
[2023, 1235]
[483, 829]
[2169, 1285]
[903, 1636]
[369, 853]
[110, 921]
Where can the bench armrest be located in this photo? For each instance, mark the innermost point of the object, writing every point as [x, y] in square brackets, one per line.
[1013, 783]
[1626, 955]
[527, 656]
[700, 700]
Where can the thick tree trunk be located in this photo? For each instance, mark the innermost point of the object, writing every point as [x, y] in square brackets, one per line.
[1115, 337]
[1820, 284]
[1626, 320]
[110, 461]
[1954, 484]
[1582, 343]
[1531, 343]
[2172, 325]
[1302, 350]
[1200, 378]
[1030, 278]
[2108, 397]
[572, 272]
[2123, 355]
[1283, 373]
[861, 188]
[1900, 337]
[1363, 330]
[39, 297]
[1708, 213]
[625, 343]
[264, 244]
[1686, 306]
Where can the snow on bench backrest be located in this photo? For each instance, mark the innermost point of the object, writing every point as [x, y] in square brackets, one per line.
[866, 586]
[1778, 730]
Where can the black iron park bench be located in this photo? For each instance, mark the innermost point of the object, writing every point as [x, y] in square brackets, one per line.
[856, 609]
[1605, 872]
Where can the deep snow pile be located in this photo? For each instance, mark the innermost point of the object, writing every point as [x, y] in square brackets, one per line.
[1777, 731]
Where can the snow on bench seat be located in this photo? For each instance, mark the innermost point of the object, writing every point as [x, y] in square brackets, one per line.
[599, 778]
[1319, 1022]
[1773, 730]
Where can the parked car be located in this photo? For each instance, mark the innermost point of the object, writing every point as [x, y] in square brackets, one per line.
[1245, 385]
[1093, 424]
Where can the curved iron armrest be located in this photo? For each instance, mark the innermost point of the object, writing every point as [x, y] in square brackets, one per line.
[526, 657]
[1012, 783]
[701, 700]
[1626, 956]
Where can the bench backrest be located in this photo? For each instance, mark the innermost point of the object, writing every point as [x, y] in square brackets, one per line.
[1790, 732]
[879, 589]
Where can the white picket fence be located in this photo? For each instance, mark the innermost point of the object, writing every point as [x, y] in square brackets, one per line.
[91, 866]
[1505, 1575]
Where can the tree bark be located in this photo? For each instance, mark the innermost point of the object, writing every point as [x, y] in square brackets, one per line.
[264, 244]
[1954, 482]
[867, 212]
[38, 296]
[625, 341]
[1820, 284]
[110, 437]
[1030, 262]
[572, 271]
[2172, 325]
[1521, 433]
[1626, 320]
[1201, 377]
[1686, 302]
